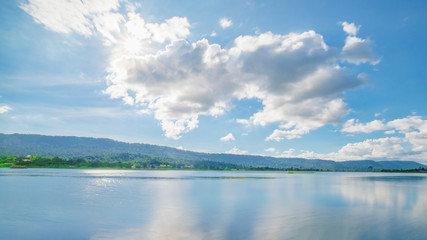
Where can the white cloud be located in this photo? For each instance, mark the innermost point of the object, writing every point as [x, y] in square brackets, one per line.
[415, 130]
[228, 137]
[82, 17]
[390, 132]
[298, 82]
[173, 129]
[108, 25]
[288, 153]
[350, 28]
[242, 121]
[353, 126]
[382, 148]
[225, 22]
[213, 34]
[272, 149]
[357, 50]
[144, 112]
[296, 77]
[293, 75]
[407, 124]
[372, 149]
[148, 34]
[279, 135]
[412, 146]
[172, 29]
[235, 150]
[413, 127]
[4, 109]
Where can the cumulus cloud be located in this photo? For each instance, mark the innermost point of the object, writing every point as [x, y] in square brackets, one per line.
[414, 129]
[152, 66]
[173, 129]
[390, 132]
[172, 29]
[4, 109]
[242, 121]
[235, 150]
[412, 146]
[225, 22]
[288, 153]
[382, 148]
[357, 50]
[353, 126]
[372, 149]
[350, 28]
[279, 135]
[228, 137]
[272, 149]
[298, 82]
[295, 76]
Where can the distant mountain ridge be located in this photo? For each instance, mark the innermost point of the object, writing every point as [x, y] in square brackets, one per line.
[72, 147]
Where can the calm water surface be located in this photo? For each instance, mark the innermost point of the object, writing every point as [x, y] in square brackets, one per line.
[117, 204]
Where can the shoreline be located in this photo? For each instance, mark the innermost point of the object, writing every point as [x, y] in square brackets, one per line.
[221, 170]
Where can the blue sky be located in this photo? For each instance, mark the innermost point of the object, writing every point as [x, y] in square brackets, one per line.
[318, 79]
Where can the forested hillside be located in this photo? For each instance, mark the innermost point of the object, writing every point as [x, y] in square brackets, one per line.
[95, 148]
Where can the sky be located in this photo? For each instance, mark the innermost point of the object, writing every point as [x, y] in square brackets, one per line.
[339, 80]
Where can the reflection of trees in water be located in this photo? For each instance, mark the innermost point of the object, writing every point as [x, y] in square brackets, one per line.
[389, 191]
[328, 206]
[169, 217]
[198, 209]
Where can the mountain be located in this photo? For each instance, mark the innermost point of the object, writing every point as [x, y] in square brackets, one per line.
[72, 147]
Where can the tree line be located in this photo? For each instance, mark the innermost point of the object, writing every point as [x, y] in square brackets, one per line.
[116, 161]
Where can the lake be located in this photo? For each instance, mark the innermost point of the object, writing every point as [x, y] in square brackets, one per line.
[120, 204]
